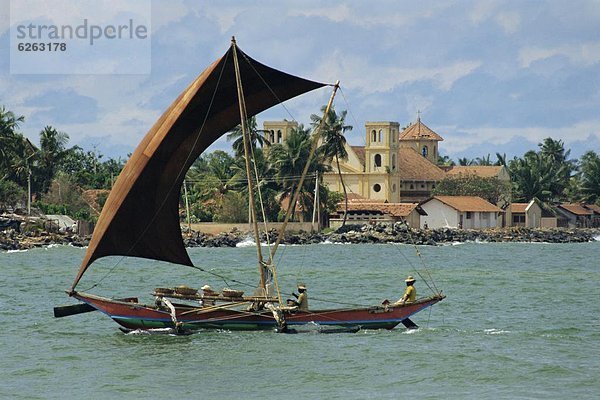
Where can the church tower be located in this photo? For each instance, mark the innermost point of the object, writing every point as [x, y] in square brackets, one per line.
[381, 161]
[278, 131]
[421, 138]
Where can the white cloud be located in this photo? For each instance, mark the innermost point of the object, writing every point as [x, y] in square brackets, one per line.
[371, 77]
[497, 136]
[508, 21]
[167, 12]
[584, 54]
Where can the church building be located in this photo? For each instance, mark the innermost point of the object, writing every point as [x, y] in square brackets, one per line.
[394, 166]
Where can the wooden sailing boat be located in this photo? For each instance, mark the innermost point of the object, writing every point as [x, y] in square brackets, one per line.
[140, 217]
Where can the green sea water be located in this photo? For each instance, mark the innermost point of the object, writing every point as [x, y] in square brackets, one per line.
[520, 322]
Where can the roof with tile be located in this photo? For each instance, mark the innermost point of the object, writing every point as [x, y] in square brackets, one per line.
[419, 130]
[486, 171]
[414, 167]
[467, 203]
[393, 209]
[576, 209]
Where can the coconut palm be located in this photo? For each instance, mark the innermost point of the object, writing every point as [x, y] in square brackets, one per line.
[590, 176]
[288, 160]
[334, 143]
[52, 151]
[256, 137]
[10, 140]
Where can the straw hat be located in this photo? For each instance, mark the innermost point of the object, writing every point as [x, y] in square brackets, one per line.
[206, 288]
[301, 286]
[410, 279]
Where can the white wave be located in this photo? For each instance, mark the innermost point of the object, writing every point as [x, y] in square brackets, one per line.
[495, 331]
[248, 242]
[597, 238]
[17, 251]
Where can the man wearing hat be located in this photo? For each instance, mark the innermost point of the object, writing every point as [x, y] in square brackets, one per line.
[410, 295]
[302, 298]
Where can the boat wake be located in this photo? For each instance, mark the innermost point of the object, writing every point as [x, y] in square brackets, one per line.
[155, 331]
[597, 238]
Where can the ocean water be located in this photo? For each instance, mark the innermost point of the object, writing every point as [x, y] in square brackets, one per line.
[520, 322]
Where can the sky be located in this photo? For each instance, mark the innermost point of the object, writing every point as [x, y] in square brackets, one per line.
[488, 76]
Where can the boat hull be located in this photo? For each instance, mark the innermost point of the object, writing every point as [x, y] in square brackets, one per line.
[134, 315]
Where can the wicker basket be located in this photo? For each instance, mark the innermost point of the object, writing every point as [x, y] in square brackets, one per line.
[184, 290]
[163, 291]
[232, 293]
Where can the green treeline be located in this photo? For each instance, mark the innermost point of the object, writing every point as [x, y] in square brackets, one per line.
[60, 177]
[547, 174]
[69, 180]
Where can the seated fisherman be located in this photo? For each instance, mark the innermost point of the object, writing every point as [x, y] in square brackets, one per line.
[410, 294]
[301, 299]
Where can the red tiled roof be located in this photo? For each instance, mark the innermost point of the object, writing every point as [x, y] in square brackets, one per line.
[486, 171]
[518, 207]
[419, 130]
[393, 209]
[593, 207]
[467, 203]
[360, 153]
[414, 167]
[576, 209]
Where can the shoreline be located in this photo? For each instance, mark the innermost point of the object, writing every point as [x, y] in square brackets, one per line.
[11, 240]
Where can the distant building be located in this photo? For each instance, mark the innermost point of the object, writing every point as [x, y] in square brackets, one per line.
[573, 215]
[468, 212]
[526, 214]
[393, 166]
[363, 212]
[277, 131]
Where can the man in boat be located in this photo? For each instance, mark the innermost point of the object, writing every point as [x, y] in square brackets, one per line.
[301, 299]
[410, 294]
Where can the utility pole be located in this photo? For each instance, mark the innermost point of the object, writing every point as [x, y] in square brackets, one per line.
[187, 206]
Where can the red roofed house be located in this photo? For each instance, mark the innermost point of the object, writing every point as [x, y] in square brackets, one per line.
[468, 212]
[526, 214]
[574, 215]
[366, 211]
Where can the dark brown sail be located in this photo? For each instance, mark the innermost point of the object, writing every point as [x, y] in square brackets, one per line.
[141, 215]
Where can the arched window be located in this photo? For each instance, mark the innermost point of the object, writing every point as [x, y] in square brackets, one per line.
[377, 187]
[381, 135]
[279, 136]
[424, 151]
[272, 136]
[412, 186]
[378, 160]
[394, 188]
[393, 162]
[373, 136]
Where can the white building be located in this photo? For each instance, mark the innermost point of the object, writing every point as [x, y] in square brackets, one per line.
[468, 212]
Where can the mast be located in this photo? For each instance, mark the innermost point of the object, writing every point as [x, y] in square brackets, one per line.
[313, 148]
[246, 140]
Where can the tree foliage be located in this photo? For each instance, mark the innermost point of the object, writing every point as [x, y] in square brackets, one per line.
[491, 189]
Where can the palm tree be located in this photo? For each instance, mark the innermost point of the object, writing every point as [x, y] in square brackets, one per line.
[288, 160]
[334, 143]
[590, 176]
[445, 161]
[501, 160]
[256, 137]
[52, 151]
[10, 140]
[485, 160]
[465, 161]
